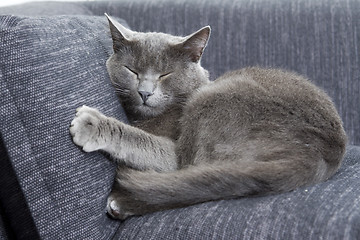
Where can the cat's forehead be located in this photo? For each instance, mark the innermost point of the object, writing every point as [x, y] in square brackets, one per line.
[156, 41]
[154, 50]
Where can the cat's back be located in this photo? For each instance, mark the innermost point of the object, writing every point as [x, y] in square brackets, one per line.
[274, 82]
[256, 103]
[268, 92]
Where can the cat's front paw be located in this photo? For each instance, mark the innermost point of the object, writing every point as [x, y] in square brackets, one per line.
[86, 129]
[114, 208]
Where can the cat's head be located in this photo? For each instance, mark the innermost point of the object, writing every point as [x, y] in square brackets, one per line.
[152, 72]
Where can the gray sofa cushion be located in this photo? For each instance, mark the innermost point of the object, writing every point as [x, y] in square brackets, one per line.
[50, 66]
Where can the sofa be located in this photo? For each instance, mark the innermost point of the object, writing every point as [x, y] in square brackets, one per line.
[52, 60]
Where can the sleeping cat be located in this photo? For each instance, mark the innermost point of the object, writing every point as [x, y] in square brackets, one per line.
[250, 132]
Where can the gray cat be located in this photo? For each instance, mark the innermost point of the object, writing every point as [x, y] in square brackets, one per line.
[250, 132]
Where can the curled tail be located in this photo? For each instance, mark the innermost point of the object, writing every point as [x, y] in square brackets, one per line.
[137, 192]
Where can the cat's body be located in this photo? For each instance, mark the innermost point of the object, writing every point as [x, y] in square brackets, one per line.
[250, 132]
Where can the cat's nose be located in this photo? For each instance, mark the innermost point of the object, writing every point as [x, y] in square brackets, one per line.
[144, 95]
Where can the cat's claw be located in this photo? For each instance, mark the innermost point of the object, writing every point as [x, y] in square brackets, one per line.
[85, 128]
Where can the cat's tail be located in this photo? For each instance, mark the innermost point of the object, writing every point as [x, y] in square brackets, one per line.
[149, 191]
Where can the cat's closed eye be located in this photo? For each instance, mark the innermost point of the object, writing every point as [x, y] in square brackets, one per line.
[131, 70]
[164, 76]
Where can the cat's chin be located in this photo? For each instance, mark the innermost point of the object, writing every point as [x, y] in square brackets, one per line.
[148, 111]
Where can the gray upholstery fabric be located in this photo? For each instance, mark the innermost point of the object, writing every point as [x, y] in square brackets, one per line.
[50, 66]
[46, 9]
[2, 230]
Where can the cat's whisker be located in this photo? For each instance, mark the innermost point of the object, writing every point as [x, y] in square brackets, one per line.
[122, 91]
[118, 86]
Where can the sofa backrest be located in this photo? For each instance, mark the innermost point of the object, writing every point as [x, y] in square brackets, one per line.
[318, 39]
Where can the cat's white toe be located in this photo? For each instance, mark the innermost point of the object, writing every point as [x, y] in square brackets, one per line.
[114, 209]
[84, 128]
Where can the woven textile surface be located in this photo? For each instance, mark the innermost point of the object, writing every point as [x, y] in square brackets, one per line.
[51, 66]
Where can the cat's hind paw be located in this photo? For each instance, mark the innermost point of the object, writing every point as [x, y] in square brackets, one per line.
[86, 128]
[114, 209]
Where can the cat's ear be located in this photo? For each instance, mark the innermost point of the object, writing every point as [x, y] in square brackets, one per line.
[120, 35]
[195, 44]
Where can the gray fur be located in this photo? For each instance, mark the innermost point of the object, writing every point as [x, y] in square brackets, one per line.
[250, 132]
